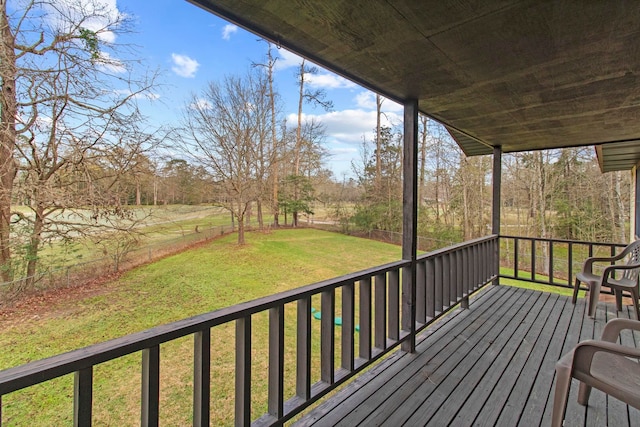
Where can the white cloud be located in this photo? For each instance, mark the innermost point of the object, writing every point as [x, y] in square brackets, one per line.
[350, 126]
[328, 81]
[151, 96]
[201, 104]
[184, 66]
[287, 60]
[228, 30]
[111, 65]
[367, 100]
[94, 16]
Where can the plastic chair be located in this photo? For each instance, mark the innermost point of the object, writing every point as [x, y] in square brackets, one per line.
[628, 282]
[605, 365]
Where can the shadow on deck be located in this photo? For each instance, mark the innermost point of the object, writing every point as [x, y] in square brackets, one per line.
[490, 365]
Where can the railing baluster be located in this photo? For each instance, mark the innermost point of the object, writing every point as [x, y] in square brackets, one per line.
[465, 271]
[488, 261]
[82, 397]
[348, 320]
[533, 259]
[303, 360]
[421, 293]
[550, 262]
[570, 264]
[476, 266]
[201, 377]
[394, 305]
[453, 288]
[446, 282]
[380, 326]
[431, 288]
[327, 336]
[276, 361]
[481, 263]
[515, 257]
[365, 318]
[243, 372]
[459, 278]
[472, 268]
[438, 283]
[150, 386]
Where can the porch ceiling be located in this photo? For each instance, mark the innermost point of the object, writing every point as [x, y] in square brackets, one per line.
[523, 75]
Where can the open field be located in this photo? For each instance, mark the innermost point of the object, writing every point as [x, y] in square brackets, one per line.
[196, 281]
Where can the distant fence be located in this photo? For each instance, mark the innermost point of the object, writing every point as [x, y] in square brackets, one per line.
[425, 244]
[80, 273]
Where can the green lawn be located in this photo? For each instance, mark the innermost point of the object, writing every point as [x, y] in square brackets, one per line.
[217, 275]
[197, 281]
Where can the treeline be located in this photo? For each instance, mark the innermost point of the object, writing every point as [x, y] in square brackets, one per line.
[551, 194]
[76, 152]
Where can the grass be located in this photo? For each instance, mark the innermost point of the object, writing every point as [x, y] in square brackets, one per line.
[200, 280]
[217, 275]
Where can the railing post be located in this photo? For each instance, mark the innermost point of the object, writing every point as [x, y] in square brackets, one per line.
[365, 318]
[276, 362]
[150, 386]
[495, 214]
[348, 325]
[327, 336]
[201, 377]
[303, 350]
[409, 222]
[243, 372]
[82, 397]
[380, 323]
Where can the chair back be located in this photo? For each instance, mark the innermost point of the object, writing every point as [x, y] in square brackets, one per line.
[633, 257]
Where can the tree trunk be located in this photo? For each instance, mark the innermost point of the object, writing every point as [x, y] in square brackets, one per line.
[423, 158]
[259, 214]
[378, 143]
[241, 229]
[8, 113]
[155, 191]
[138, 197]
[34, 246]
[622, 214]
[275, 158]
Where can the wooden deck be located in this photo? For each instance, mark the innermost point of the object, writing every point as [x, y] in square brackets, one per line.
[490, 365]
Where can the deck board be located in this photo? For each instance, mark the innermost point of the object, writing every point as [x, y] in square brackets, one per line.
[492, 364]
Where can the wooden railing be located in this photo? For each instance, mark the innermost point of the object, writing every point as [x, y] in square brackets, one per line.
[552, 262]
[372, 307]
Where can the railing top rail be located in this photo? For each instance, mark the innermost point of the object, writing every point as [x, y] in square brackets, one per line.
[458, 246]
[32, 373]
[578, 242]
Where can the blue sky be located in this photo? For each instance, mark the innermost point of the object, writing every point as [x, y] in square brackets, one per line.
[191, 47]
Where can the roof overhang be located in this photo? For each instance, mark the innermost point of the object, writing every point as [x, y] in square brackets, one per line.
[523, 75]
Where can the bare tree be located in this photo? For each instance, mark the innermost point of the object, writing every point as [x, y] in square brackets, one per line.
[224, 126]
[272, 154]
[316, 98]
[68, 96]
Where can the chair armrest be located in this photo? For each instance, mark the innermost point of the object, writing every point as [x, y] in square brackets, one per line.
[588, 264]
[608, 270]
[585, 350]
[613, 328]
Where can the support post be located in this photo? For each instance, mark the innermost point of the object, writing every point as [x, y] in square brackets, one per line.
[495, 214]
[410, 221]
